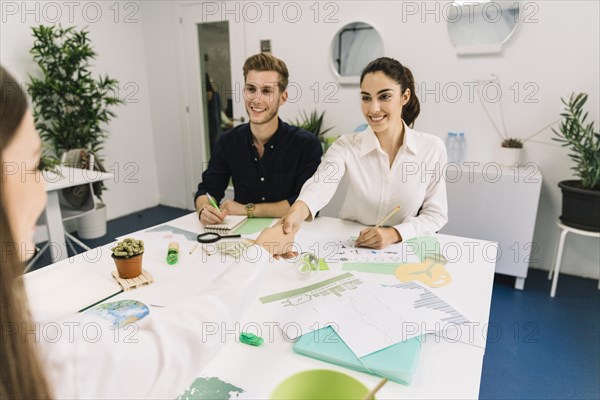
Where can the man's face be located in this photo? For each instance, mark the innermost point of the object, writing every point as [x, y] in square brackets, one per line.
[262, 96]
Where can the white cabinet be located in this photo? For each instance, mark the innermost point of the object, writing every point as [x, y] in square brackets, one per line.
[489, 202]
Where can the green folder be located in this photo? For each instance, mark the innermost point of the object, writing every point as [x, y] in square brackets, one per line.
[398, 362]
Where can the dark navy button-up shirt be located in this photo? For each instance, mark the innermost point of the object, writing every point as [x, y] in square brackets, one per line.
[290, 157]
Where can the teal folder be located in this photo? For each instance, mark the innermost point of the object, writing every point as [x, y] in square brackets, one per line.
[398, 362]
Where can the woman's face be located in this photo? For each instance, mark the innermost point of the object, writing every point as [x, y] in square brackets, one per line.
[24, 189]
[382, 101]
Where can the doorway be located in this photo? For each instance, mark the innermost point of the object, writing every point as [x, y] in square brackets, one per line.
[213, 44]
[215, 74]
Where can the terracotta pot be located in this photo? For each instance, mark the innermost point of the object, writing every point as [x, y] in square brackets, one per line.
[129, 267]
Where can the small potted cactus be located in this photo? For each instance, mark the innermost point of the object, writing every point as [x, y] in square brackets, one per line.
[128, 257]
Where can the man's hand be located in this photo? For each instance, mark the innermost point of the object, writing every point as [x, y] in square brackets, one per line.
[209, 215]
[233, 208]
[377, 238]
[276, 242]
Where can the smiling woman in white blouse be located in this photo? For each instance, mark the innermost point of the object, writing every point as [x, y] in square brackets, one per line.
[387, 165]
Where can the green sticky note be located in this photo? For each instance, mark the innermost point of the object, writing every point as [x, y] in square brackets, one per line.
[251, 339]
[254, 225]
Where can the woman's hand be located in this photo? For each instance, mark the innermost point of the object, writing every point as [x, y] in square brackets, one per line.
[293, 219]
[277, 242]
[377, 238]
[210, 216]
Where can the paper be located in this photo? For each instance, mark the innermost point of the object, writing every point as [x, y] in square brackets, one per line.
[295, 309]
[345, 251]
[254, 225]
[425, 311]
[364, 322]
[368, 317]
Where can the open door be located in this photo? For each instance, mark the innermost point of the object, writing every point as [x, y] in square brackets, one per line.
[213, 80]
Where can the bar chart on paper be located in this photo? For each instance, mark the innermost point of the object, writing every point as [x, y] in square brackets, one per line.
[426, 305]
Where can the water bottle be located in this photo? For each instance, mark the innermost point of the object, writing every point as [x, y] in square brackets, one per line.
[452, 147]
[462, 147]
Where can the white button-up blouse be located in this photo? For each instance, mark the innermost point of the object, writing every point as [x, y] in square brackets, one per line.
[414, 182]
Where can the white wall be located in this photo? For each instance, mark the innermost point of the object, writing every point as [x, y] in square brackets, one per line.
[556, 53]
[117, 36]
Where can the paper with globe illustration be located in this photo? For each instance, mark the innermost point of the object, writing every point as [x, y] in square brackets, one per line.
[120, 313]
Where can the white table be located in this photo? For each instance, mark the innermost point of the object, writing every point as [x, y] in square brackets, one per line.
[68, 177]
[447, 369]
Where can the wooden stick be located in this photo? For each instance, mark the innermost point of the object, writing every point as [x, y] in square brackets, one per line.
[194, 248]
[384, 220]
[371, 394]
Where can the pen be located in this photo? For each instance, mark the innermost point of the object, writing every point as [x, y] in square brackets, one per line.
[212, 201]
[384, 219]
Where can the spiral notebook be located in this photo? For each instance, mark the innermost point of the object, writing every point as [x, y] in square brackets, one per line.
[230, 224]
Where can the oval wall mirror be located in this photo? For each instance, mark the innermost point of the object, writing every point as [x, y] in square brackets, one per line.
[353, 47]
[481, 27]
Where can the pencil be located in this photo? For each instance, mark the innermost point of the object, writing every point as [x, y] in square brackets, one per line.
[384, 219]
[373, 391]
[194, 248]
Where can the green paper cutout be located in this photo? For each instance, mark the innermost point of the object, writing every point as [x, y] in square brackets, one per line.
[323, 265]
[425, 246]
[385, 268]
[254, 225]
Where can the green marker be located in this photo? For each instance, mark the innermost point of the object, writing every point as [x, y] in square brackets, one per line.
[212, 201]
[173, 253]
[251, 339]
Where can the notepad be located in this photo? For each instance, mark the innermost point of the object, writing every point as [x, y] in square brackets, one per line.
[398, 362]
[230, 223]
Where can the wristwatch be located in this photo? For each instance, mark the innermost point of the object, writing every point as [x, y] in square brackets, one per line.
[250, 210]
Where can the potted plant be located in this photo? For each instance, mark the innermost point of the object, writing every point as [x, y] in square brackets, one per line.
[511, 152]
[581, 198]
[313, 122]
[127, 255]
[70, 106]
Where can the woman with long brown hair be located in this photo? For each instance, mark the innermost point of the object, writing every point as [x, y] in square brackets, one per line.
[169, 348]
[389, 164]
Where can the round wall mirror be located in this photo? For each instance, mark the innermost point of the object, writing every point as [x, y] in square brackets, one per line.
[481, 27]
[353, 47]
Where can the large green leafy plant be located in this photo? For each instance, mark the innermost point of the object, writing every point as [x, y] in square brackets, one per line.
[71, 107]
[312, 122]
[582, 140]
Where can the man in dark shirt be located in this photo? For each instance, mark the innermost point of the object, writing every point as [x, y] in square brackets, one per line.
[267, 159]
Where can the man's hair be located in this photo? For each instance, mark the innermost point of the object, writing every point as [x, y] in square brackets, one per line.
[267, 62]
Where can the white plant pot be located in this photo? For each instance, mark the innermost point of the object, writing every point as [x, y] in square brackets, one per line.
[508, 157]
[93, 225]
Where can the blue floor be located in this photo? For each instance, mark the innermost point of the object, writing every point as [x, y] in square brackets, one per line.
[538, 347]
